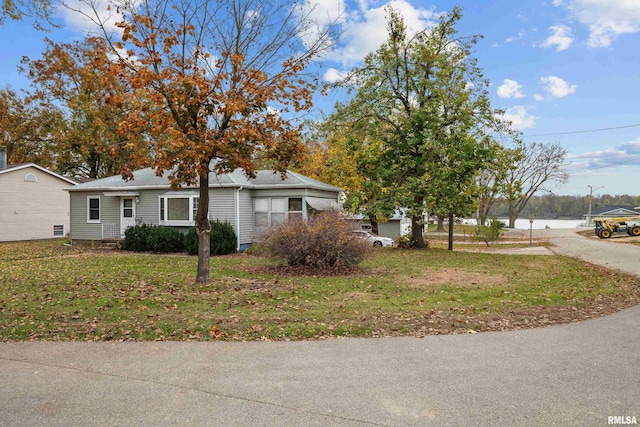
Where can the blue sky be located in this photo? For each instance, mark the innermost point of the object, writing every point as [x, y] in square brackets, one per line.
[562, 69]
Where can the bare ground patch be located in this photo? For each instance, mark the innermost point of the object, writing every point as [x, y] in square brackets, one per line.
[457, 278]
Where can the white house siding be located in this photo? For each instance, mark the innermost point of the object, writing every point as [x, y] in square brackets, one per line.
[222, 205]
[246, 217]
[29, 210]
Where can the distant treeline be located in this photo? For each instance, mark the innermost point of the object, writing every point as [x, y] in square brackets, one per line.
[565, 207]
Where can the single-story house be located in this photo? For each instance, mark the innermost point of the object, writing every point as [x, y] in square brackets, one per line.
[34, 204]
[105, 208]
[614, 212]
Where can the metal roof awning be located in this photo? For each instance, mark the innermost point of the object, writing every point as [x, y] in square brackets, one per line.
[321, 204]
[121, 193]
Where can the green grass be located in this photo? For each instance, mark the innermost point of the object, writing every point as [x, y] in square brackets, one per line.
[53, 292]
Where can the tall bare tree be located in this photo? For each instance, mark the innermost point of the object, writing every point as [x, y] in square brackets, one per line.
[539, 165]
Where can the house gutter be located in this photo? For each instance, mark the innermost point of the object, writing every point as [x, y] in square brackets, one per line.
[238, 218]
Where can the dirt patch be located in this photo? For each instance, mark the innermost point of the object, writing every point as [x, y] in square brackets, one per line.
[457, 278]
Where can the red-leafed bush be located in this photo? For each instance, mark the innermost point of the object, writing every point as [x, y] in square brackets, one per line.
[324, 241]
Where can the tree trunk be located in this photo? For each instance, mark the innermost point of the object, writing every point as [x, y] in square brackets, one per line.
[416, 232]
[451, 222]
[374, 225]
[440, 220]
[513, 215]
[416, 225]
[203, 228]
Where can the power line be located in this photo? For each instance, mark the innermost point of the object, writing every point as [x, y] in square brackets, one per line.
[582, 131]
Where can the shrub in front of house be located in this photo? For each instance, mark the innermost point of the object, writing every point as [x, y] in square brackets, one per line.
[326, 240]
[135, 238]
[156, 238]
[165, 239]
[222, 241]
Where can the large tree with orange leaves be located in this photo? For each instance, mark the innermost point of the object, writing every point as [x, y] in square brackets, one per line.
[79, 80]
[225, 80]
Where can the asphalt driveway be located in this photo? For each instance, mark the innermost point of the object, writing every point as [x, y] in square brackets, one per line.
[575, 374]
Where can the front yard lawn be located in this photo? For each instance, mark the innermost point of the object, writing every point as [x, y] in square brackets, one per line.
[49, 291]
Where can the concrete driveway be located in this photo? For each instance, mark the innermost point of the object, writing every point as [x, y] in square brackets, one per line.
[611, 253]
[575, 374]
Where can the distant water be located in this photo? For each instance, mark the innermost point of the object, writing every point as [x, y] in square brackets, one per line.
[523, 224]
[538, 224]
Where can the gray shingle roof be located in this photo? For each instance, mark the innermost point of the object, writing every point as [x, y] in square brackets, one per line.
[147, 179]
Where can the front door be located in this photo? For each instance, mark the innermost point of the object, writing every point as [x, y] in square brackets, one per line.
[127, 213]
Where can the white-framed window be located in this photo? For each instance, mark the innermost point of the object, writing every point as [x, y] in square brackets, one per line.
[178, 210]
[270, 211]
[30, 178]
[93, 209]
[294, 211]
[58, 230]
[261, 211]
[278, 210]
[127, 208]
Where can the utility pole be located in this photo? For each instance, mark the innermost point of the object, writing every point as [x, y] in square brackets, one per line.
[590, 198]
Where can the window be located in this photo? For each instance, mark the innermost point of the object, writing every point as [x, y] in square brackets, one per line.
[58, 230]
[93, 209]
[196, 203]
[261, 209]
[295, 209]
[127, 208]
[30, 178]
[178, 210]
[276, 210]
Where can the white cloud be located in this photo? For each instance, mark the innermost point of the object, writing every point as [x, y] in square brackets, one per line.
[627, 154]
[519, 117]
[324, 12]
[320, 14]
[556, 87]
[561, 38]
[510, 89]
[332, 75]
[538, 97]
[365, 29]
[514, 38]
[606, 19]
[84, 16]
[510, 39]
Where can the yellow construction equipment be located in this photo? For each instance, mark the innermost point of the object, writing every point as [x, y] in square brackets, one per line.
[605, 227]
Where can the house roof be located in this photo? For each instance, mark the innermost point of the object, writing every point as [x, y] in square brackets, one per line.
[617, 211]
[265, 179]
[13, 168]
